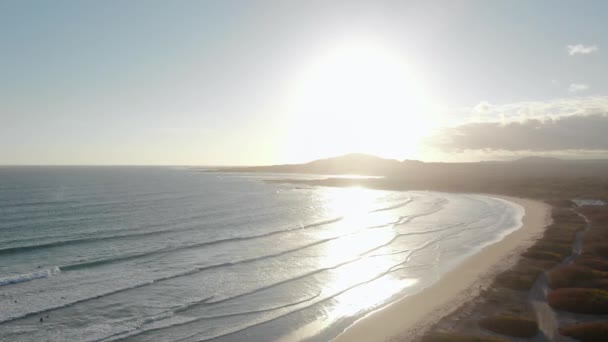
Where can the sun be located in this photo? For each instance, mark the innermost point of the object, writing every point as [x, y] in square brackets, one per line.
[357, 97]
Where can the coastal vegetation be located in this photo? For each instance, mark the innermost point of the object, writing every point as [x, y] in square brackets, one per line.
[571, 253]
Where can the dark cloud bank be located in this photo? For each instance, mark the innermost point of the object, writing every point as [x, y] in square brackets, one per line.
[577, 132]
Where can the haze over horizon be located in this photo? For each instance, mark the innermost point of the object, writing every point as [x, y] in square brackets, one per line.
[274, 82]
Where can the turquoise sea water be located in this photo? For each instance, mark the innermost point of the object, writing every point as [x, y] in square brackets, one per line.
[169, 254]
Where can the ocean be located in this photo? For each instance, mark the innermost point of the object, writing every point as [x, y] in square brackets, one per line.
[175, 254]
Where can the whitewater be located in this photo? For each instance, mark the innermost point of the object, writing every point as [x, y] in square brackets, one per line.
[176, 254]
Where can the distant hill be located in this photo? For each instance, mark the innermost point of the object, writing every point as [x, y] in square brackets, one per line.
[538, 160]
[354, 163]
[533, 177]
[414, 170]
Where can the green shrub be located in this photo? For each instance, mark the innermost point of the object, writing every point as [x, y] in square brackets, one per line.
[561, 203]
[587, 332]
[592, 262]
[575, 276]
[597, 214]
[510, 326]
[543, 255]
[515, 281]
[563, 249]
[521, 277]
[537, 264]
[561, 233]
[454, 337]
[579, 300]
[596, 247]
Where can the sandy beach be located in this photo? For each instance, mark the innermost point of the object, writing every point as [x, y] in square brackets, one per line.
[408, 317]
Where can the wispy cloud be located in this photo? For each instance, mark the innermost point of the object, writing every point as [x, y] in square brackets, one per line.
[482, 108]
[576, 87]
[580, 49]
[566, 133]
[554, 126]
[520, 111]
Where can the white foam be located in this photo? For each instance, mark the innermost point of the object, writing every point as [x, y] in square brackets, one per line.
[21, 278]
[582, 202]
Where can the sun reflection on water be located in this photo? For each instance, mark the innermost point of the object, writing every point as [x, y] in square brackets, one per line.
[369, 295]
[364, 283]
[358, 277]
[349, 201]
[356, 206]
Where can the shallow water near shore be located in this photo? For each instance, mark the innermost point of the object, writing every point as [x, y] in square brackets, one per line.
[159, 253]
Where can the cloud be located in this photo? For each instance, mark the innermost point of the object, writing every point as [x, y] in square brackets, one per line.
[482, 108]
[520, 111]
[576, 87]
[580, 49]
[567, 133]
[555, 126]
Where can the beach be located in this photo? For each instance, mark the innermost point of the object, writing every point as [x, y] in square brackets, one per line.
[409, 317]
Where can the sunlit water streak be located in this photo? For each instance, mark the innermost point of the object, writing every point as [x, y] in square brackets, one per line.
[150, 254]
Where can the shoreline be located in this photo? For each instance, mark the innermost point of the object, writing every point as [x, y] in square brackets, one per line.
[466, 280]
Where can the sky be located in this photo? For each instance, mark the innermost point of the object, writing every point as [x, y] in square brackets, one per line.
[269, 82]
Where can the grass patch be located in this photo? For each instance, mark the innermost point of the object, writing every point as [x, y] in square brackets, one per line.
[580, 300]
[586, 332]
[454, 337]
[510, 326]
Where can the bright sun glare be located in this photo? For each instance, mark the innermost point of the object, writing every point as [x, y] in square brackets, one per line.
[363, 282]
[357, 98]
